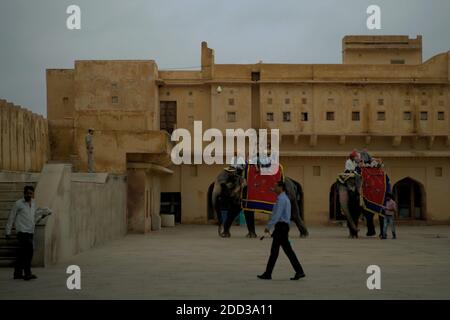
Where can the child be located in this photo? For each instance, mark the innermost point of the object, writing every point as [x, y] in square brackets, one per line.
[390, 211]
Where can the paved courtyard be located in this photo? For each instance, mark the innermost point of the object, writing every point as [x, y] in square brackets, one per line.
[192, 262]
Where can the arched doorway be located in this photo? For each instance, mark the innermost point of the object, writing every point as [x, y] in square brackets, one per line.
[335, 205]
[410, 197]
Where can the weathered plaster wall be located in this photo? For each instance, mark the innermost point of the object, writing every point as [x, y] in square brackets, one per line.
[88, 210]
[23, 139]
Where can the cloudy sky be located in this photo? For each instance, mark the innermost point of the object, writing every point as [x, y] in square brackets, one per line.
[34, 37]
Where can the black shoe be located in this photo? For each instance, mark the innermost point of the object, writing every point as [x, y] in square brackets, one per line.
[18, 276]
[265, 277]
[394, 236]
[298, 276]
[29, 277]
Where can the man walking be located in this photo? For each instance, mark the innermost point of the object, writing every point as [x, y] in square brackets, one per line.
[281, 217]
[24, 216]
[90, 150]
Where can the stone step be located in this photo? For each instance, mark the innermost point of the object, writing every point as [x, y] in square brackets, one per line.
[11, 194]
[15, 186]
[9, 199]
[6, 262]
[11, 242]
[4, 214]
[6, 204]
[2, 230]
[8, 251]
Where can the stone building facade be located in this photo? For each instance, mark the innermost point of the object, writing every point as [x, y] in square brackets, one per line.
[383, 97]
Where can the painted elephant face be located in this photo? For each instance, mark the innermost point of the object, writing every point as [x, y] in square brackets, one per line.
[349, 182]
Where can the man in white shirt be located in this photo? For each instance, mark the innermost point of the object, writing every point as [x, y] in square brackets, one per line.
[24, 216]
[350, 164]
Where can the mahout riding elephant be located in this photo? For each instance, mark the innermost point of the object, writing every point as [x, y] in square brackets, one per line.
[236, 184]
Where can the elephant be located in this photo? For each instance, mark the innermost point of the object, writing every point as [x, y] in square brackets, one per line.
[234, 181]
[348, 185]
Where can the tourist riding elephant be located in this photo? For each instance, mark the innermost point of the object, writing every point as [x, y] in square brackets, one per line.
[235, 183]
[348, 185]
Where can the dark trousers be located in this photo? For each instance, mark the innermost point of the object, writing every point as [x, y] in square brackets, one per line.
[281, 239]
[24, 254]
[381, 220]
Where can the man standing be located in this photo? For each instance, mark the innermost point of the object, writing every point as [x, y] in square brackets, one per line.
[24, 216]
[281, 217]
[390, 211]
[223, 205]
[90, 150]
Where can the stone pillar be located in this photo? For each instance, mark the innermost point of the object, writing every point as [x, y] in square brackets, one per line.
[27, 140]
[13, 138]
[34, 154]
[20, 141]
[138, 197]
[6, 155]
[153, 189]
[1, 133]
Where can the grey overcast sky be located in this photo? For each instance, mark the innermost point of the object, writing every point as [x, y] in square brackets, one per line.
[34, 37]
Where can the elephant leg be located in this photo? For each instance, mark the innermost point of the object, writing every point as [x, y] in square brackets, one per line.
[232, 214]
[300, 224]
[355, 212]
[250, 221]
[221, 221]
[370, 225]
[345, 210]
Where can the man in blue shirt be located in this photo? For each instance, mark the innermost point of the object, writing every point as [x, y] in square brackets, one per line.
[281, 217]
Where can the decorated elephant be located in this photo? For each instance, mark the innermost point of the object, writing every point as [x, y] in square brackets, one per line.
[373, 183]
[231, 182]
[236, 186]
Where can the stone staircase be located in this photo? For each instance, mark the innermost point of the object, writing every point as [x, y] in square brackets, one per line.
[10, 192]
